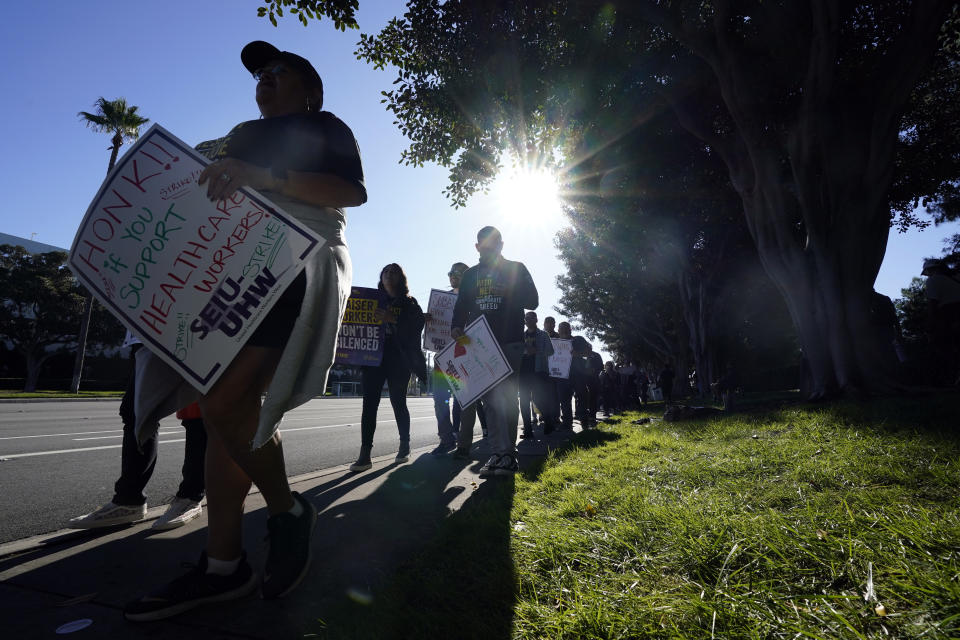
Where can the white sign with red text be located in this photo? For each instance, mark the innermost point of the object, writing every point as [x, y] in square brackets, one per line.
[473, 368]
[191, 278]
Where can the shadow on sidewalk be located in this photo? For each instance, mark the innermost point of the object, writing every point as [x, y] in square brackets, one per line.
[461, 583]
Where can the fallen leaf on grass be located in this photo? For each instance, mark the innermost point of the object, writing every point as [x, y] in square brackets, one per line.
[881, 610]
[822, 534]
[590, 511]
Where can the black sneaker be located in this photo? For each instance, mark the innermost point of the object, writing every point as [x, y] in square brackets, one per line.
[289, 556]
[487, 470]
[462, 453]
[403, 453]
[506, 466]
[363, 460]
[192, 590]
[526, 435]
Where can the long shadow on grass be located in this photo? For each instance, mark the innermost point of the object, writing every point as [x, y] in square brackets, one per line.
[461, 582]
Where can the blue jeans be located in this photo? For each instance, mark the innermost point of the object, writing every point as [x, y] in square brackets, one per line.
[503, 414]
[447, 428]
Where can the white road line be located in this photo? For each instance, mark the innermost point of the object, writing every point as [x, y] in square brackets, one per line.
[117, 446]
[85, 433]
[162, 433]
[54, 435]
[50, 453]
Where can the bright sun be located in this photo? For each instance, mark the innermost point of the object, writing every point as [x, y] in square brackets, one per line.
[528, 197]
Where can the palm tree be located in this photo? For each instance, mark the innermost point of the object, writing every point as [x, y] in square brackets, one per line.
[115, 118]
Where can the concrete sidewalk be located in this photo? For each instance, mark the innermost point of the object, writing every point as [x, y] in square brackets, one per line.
[369, 524]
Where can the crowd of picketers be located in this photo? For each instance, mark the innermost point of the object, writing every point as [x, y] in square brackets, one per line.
[308, 162]
[552, 403]
[503, 292]
[530, 396]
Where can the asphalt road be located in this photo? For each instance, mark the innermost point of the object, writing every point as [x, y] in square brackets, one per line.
[60, 459]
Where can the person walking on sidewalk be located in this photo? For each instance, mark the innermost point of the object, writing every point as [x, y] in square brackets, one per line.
[553, 387]
[592, 384]
[444, 402]
[500, 290]
[403, 323]
[564, 386]
[129, 504]
[534, 376]
[665, 382]
[306, 161]
[578, 379]
[609, 389]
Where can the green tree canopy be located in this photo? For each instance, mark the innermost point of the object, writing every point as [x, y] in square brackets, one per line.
[41, 308]
[814, 108]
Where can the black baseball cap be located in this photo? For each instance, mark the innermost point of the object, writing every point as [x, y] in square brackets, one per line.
[258, 53]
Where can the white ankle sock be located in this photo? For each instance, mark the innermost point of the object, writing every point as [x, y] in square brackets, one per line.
[297, 509]
[222, 567]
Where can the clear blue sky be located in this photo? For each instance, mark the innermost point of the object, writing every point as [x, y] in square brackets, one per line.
[179, 61]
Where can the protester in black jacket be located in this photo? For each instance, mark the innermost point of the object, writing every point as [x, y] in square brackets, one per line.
[500, 290]
[402, 319]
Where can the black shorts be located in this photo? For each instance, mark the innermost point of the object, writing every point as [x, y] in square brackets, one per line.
[275, 329]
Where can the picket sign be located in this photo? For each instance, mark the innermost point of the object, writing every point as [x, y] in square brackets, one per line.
[191, 278]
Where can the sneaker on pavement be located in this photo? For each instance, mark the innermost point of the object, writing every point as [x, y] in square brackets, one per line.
[180, 512]
[191, 590]
[110, 515]
[487, 470]
[289, 555]
[363, 461]
[462, 453]
[506, 466]
[403, 453]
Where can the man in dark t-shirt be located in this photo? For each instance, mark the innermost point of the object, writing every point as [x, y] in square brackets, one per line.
[500, 290]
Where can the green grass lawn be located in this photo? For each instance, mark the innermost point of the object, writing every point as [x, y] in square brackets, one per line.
[804, 521]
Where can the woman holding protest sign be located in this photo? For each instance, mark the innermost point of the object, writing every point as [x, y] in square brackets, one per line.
[402, 319]
[307, 162]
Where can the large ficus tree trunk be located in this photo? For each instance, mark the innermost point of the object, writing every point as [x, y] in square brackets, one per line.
[812, 160]
[696, 311]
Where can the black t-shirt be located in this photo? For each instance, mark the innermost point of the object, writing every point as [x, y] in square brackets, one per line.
[499, 290]
[313, 142]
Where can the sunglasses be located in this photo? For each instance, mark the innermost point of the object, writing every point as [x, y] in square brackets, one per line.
[274, 71]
